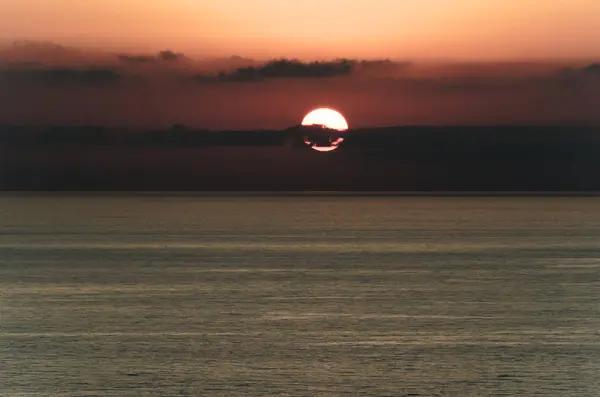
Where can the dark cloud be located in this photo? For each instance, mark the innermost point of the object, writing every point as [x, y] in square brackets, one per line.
[136, 58]
[592, 70]
[170, 56]
[62, 75]
[45, 52]
[285, 68]
[167, 56]
[295, 69]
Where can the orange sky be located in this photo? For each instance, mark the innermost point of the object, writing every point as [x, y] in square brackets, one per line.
[457, 29]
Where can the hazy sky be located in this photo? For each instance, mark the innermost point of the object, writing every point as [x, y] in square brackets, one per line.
[316, 28]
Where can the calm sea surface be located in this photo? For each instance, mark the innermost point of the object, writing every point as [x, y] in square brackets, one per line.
[299, 296]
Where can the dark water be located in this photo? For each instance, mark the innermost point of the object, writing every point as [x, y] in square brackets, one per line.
[299, 296]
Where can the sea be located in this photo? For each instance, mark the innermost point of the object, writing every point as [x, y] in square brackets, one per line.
[298, 295]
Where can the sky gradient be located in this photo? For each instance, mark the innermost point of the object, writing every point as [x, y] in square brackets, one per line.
[457, 29]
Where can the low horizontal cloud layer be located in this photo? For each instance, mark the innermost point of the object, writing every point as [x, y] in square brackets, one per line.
[592, 70]
[293, 68]
[166, 56]
[284, 68]
[62, 75]
[44, 83]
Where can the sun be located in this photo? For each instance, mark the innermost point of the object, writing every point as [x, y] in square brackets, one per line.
[326, 117]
